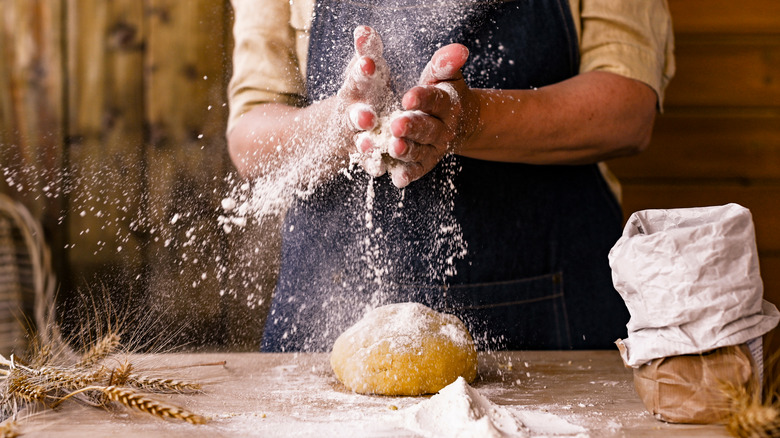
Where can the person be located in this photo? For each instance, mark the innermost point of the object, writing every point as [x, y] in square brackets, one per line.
[487, 197]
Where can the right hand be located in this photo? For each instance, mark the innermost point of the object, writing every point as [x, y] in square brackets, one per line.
[440, 114]
[365, 96]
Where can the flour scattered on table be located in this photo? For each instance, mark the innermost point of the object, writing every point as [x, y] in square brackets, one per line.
[460, 411]
[546, 424]
[301, 398]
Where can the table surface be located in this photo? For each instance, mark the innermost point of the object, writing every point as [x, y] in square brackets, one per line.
[260, 394]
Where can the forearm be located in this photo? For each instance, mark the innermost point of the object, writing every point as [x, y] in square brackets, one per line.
[585, 119]
[270, 136]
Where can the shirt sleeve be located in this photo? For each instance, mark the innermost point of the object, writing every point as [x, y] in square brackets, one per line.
[632, 38]
[266, 66]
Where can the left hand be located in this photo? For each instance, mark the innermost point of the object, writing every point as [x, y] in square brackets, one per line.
[365, 96]
[441, 113]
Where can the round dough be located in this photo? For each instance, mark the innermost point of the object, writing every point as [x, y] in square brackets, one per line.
[404, 349]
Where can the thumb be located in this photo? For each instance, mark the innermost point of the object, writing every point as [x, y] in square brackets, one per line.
[445, 64]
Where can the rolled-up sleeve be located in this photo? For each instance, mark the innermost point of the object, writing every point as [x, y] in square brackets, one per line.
[632, 38]
[266, 65]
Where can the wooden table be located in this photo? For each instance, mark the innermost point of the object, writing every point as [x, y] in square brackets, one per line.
[257, 394]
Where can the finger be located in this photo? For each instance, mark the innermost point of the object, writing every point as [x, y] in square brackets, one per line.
[428, 99]
[425, 154]
[419, 127]
[415, 170]
[369, 47]
[399, 174]
[371, 159]
[404, 173]
[445, 64]
[367, 42]
[359, 78]
[367, 66]
[401, 149]
[374, 165]
[364, 142]
[362, 116]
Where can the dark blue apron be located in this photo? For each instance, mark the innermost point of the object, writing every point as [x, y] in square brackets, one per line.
[535, 273]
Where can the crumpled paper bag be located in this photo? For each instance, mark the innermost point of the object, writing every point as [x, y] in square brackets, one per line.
[690, 280]
[690, 388]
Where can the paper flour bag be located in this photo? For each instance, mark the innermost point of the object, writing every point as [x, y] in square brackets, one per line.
[690, 279]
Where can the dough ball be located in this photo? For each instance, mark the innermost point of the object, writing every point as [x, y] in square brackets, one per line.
[404, 349]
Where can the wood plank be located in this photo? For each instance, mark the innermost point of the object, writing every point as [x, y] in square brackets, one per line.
[725, 16]
[186, 109]
[105, 43]
[761, 199]
[31, 112]
[31, 108]
[732, 146]
[739, 73]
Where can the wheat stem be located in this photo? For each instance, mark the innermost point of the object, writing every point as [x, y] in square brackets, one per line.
[99, 351]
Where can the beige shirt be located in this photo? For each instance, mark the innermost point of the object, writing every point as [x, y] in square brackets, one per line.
[632, 38]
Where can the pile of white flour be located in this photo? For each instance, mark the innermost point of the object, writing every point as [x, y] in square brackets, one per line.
[460, 411]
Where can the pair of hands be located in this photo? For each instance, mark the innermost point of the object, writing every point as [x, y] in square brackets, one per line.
[436, 117]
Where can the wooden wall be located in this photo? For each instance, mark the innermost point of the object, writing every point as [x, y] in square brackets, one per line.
[719, 138]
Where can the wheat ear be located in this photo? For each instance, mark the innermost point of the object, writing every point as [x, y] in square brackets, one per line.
[120, 374]
[68, 378]
[747, 416]
[156, 384]
[142, 402]
[99, 351]
[22, 385]
[42, 357]
[8, 429]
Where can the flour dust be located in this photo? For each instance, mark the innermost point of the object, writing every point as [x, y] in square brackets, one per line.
[372, 243]
[171, 235]
[130, 232]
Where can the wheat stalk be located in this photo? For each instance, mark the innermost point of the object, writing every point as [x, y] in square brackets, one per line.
[96, 386]
[99, 351]
[69, 378]
[156, 384]
[143, 403]
[121, 374]
[22, 385]
[747, 417]
[42, 357]
[55, 372]
[53, 375]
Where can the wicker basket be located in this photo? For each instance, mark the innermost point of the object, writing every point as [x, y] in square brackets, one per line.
[26, 278]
